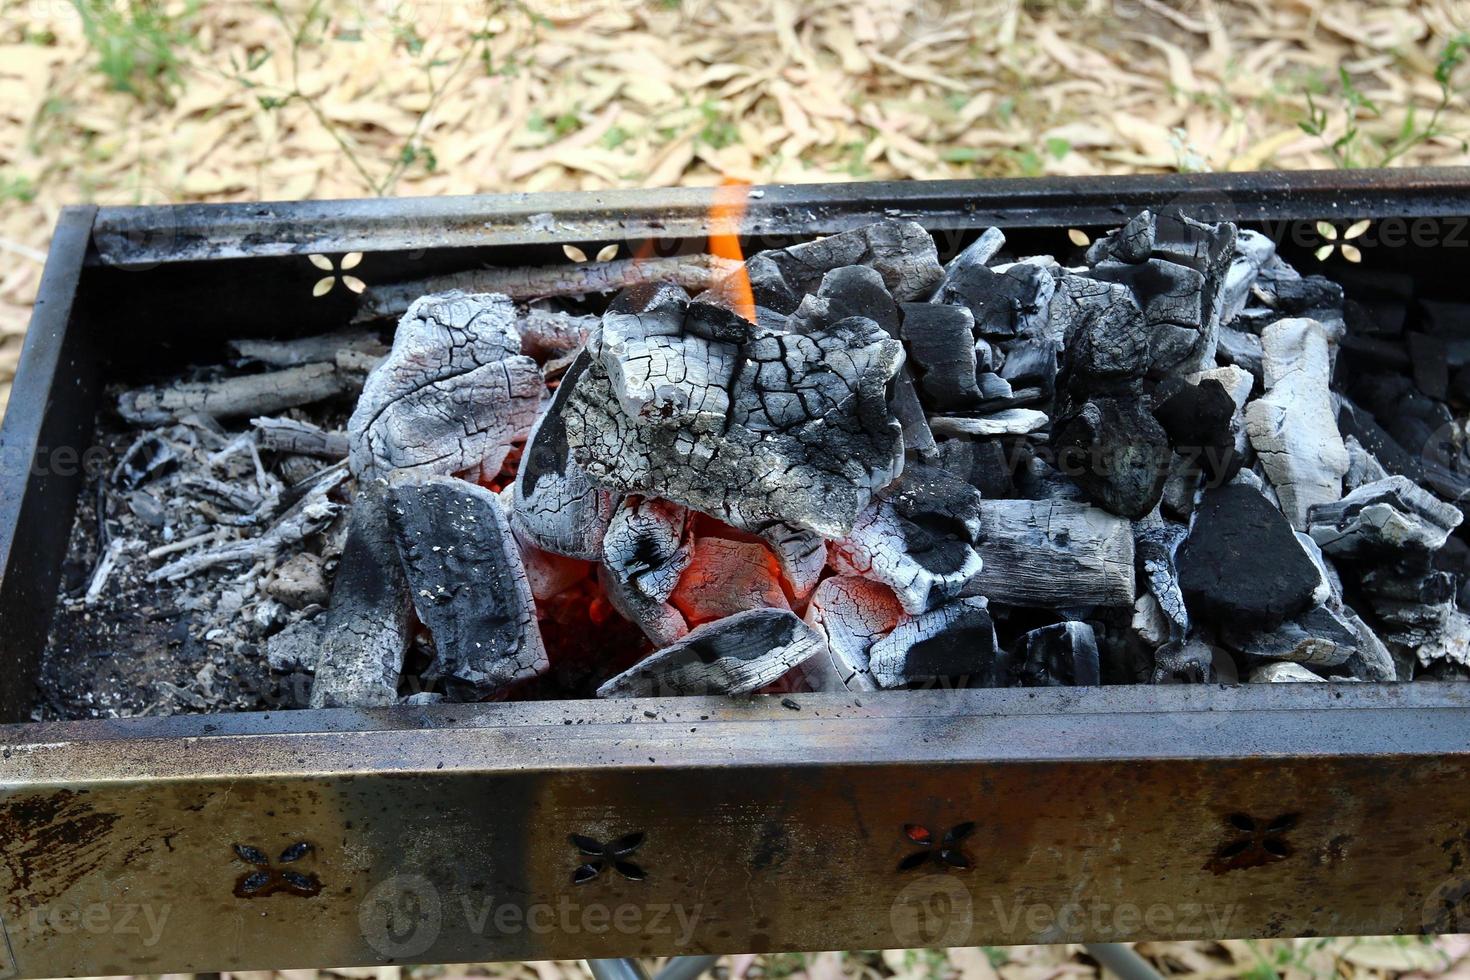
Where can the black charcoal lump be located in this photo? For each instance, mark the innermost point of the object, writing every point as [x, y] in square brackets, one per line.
[1242, 560]
[1389, 516]
[1117, 452]
[1063, 654]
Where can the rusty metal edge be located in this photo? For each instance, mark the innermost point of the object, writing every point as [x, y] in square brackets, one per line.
[196, 232]
[1042, 725]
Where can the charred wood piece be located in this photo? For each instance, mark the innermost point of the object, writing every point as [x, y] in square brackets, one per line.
[284, 435]
[554, 502]
[452, 396]
[953, 644]
[546, 334]
[318, 349]
[807, 439]
[1392, 516]
[242, 395]
[902, 252]
[941, 343]
[1007, 422]
[468, 586]
[1063, 654]
[734, 655]
[1284, 673]
[1101, 330]
[1292, 427]
[977, 253]
[801, 555]
[851, 613]
[1117, 452]
[648, 545]
[1053, 554]
[1320, 637]
[919, 539]
[368, 623]
[694, 272]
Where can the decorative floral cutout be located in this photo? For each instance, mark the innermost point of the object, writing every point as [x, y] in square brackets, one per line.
[947, 855]
[605, 254]
[614, 854]
[1254, 842]
[325, 283]
[268, 879]
[1329, 232]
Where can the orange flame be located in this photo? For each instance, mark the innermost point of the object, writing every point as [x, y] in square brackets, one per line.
[726, 212]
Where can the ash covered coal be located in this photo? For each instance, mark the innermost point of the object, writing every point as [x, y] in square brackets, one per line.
[843, 467]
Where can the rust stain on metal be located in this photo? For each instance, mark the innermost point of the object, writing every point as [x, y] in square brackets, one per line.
[49, 843]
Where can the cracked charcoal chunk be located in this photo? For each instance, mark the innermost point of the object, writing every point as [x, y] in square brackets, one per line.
[801, 554]
[725, 577]
[1191, 661]
[809, 436]
[1004, 304]
[661, 374]
[902, 252]
[1252, 251]
[1010, 421]
[1118, 454]
[1102, 330]
[850, 613]
[1132, 242]
[1284, 673]
[1243, 350]
[1054, 553]
[983, 463]
[368, 622]
[1180, 287]
[648, 545]
[977, 253]
[734, 655]
[1242, 560]
[453, 395]
[1320, 637]
[1292, 426]
[954, 643]
[1063, 654]
[1392, 516]
[468, 586]
[554, 502]
[1200, 420]
[940, 343]
[1156, 542]
[919, 539]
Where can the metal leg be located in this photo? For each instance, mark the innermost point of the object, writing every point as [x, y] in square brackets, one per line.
[620, 969]
[686, 967]
[1122, 960]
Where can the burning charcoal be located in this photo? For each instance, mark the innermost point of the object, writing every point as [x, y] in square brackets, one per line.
[234, 397]
[368, 622]
[857, 290]
[1004, 304]
[657, 370]
[550, 574]
[801, 555]
[953, 643]
[734, 655]
[807, 439]
[1102, 329]
[850, 613]
[1390, 516]
[902, 252]
[941, 344]
[1200, 420]
[468, 585]
[1242, 561]
[1053, 553]
[1252, 251]
[555, 504]
[1292, 426]
[284, 435]
[1320, 637]
[1118, 454]
[1180, 287]
[977, 253]
[1063, 654]
[1010, 421]
[726, 577]
[452, 396]
[919, 539]
[1279, 673]
[649, 544]
[548, 333]
[1156, 542]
